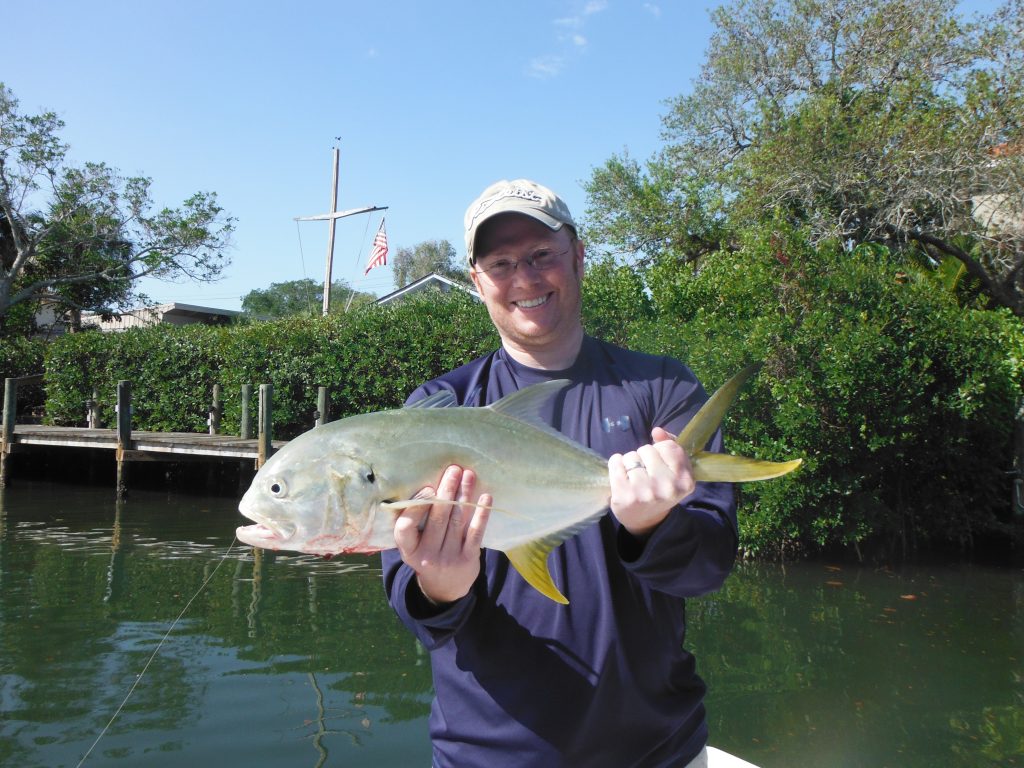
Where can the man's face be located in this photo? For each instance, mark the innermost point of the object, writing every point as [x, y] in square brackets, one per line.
[532, 309]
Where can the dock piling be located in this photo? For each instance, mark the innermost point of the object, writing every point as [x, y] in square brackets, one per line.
[7, 437]
[124, 434]
[10, 418]
[264, 438]
[323, 405]
[245, 430]
[215, 411]
[92, 414]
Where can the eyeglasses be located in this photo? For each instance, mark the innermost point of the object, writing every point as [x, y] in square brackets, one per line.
[502, 269]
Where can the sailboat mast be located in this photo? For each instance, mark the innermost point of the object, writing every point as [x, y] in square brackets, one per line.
[330, 236]
[333, 217]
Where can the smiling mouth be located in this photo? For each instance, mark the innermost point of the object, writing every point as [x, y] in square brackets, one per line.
[531, 303]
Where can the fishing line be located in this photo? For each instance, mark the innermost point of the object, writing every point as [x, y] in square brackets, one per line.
[156, 650]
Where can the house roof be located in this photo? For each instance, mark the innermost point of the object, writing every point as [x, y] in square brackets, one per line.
[173, 313]
[431, 280]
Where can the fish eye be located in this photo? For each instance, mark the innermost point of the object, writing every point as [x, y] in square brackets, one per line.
[369, 476]
[278, 488]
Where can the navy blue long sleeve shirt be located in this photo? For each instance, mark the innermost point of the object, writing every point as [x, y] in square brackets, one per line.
[520, 680]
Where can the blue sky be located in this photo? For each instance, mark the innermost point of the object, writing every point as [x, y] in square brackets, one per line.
[432, 102]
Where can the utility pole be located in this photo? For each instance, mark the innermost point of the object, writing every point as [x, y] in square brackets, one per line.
[333, 217]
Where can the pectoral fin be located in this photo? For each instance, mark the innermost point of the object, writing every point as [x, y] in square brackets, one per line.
[428, 500]
[531, 560]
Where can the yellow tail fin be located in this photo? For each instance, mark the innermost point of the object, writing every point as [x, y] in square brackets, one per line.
[720, 467]
[724, 468]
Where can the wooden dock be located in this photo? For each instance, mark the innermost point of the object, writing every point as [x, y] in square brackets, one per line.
[145, 446]
[130, 445]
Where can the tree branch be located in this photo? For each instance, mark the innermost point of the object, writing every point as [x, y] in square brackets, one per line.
[1002, 291]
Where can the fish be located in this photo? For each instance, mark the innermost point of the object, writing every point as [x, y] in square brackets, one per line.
[339, 487]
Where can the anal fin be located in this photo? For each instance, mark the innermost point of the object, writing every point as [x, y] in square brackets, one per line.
[531, 561]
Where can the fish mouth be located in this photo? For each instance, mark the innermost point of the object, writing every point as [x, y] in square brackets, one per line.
[264, 533]
[259, 535]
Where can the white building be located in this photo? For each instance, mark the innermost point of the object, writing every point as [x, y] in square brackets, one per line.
[167, 314]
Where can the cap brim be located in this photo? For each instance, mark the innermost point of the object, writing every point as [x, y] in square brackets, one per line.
[536, 214]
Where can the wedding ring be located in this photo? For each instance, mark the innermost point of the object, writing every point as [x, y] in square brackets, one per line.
[635, 464]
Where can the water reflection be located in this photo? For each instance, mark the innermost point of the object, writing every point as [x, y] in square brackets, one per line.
[274, 651]
[293, 660]
[866, 667]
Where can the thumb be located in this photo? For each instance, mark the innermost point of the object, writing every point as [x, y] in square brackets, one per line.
[660, 435]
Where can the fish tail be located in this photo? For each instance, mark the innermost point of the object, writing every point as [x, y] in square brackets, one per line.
[702, 426]
[720, 467]
[723, 468]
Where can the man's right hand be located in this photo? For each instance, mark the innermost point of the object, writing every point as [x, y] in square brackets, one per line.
[437, 543]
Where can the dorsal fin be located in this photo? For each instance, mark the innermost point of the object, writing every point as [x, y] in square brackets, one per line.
[442, 399]
[526, 404]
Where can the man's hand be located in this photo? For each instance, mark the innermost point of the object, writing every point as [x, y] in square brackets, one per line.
[648, 482]
[436, 542]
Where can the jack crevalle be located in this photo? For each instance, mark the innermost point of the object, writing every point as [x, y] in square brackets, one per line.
[339, 487]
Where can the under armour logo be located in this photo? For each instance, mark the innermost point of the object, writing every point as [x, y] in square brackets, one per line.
[609, 425]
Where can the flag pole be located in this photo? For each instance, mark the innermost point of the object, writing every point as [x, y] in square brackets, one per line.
[333, 217]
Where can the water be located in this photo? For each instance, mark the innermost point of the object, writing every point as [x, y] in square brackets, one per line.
[289, 660]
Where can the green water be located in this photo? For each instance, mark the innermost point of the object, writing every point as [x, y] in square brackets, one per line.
[293, 661]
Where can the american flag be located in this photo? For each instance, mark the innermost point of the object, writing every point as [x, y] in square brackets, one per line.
[379, 252]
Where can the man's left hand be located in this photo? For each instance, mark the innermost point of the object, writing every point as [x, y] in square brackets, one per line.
[648, 482]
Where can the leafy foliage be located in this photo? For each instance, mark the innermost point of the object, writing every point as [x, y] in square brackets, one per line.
[430, 256]
[20, 357]
[614, 297]
[299, 297]
[888, 121]
[80, 237]
[370, 359]
[897, 398]
[23, 357]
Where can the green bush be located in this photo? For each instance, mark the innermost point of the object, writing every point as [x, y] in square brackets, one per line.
[614, 299]
[370, 359]
[20, 357]
[899, 401]
[23, 357]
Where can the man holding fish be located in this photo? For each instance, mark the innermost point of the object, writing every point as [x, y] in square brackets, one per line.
[593, 671]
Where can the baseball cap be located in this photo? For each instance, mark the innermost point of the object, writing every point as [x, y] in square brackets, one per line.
[520, 196]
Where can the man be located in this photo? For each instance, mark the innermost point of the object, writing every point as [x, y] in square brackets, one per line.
[519, 679]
